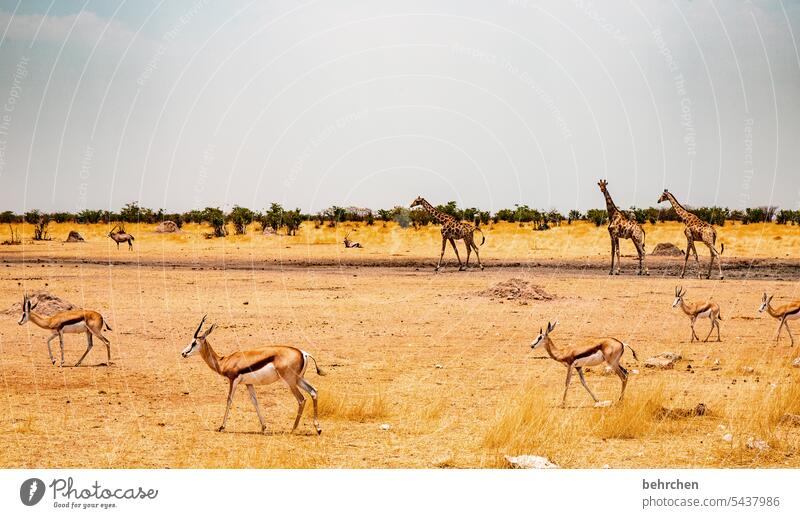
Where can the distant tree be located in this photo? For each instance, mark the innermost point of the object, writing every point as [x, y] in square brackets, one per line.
[240, 217]
[451, 209]
[419, 218]
[40, 223]
[292, 220]
[216, 218]
[62, 217]
[273, 217]
[130, 213]
[385, 215]
[597, 216]
[574, 215]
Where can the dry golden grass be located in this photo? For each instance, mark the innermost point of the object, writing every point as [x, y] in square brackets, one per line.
[450, 371]
[504, 241]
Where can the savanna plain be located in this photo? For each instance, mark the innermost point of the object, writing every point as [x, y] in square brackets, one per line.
[423, 369]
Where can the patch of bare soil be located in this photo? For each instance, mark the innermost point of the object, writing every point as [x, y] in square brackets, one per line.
[516, 289]
[46, 304]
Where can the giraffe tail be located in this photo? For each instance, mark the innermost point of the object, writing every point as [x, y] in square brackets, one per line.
[483, 237]
[721, 248]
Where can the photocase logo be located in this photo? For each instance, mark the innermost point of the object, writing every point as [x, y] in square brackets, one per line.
[31, 491]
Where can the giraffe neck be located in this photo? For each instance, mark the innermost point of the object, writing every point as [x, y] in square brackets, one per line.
[611, 208]
[684, 214]
[438, 215]
[210, 357]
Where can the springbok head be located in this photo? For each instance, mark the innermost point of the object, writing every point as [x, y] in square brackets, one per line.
[26, 308]
[664, 196]
[543, 334]
[679, 293]
[765, 300]
[198, 340]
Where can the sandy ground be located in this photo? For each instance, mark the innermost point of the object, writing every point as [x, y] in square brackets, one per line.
[421, 352]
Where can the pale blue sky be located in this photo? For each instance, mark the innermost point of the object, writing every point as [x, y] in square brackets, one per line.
[187, 104]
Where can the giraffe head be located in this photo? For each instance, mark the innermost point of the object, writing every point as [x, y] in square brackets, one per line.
[765, 300]
[679, 293]
[543, 335]
[664, 196]
[602, 184]
[418, 202]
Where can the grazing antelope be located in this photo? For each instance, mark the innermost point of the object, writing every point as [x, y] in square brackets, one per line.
[258, 367]
[73, 321]
[608, 350]
[351, 244]
[706, 309]
[121, 237]
[790, 311]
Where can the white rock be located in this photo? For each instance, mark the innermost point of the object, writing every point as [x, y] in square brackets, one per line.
[530, 462]
[607, 369]
[716, 362]
[748, 370]
[720, 427]
[634, 371]
[727, 437]
[796, 362]
[439, 366]
[756, 444]
[665, 360]
[602, 404]
[386, 427]
[606, 466]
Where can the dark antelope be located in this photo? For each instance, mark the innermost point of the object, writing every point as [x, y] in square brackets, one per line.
[73, 321]
[121, 237]
[258, 367]
[608, 350]
[351, 244]
[790, 311]
[699, 309]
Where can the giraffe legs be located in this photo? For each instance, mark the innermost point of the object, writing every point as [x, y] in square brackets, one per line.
[640, 250]
[478, 255]
[614, 245]
[444, 243]
[469, 251]
[714, 255]
[455, 249]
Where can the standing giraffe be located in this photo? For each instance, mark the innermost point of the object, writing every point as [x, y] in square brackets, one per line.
[695, 230]
[452, 229]
[619, 226]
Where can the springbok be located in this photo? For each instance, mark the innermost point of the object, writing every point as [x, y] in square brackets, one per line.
[73, 321]
[121, 237]
[608, 350]
[706, 309]
[790, 311]
[258, 367]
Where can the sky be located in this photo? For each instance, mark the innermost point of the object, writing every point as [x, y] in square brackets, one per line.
[183, 105]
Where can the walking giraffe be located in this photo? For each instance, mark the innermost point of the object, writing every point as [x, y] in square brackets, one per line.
[619, 226]
[695, 230]
[452, 229]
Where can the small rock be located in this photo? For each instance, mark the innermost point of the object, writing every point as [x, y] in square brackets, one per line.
[720, 427]
[748, 370]
[606, 466]
[439, 366]
[386, 427]
[602, 404]
[635, 371]
[796, 362]
[716, 362]
[607, 369]
[665, 360]
[530, 462]
[727, 437]
[756, 444]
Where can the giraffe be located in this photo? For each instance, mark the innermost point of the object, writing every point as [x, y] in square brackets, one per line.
[695, 230]
[619, 226]
[452, 229]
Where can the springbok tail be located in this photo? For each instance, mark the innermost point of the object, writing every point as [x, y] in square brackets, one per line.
[105, 323]
[320, 372]
[631, 348]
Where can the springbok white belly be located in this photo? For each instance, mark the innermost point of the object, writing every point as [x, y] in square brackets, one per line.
[704, 313]
[80, 327]
[794, 316]
[262, 376]
[587, 361]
